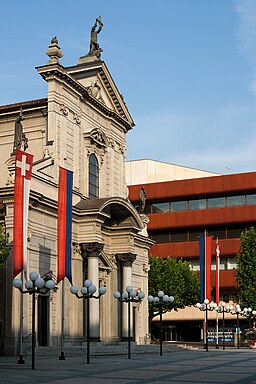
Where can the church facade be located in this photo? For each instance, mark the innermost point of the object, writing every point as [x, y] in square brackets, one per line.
[81, 125]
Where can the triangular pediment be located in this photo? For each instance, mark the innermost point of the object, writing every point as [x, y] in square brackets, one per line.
[96, 78]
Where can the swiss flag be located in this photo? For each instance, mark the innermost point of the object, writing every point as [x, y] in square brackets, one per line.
[23, 170]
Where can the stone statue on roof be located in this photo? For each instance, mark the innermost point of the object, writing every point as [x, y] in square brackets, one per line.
[18, 132]
[20, 139]
[142, 199]
[95, 49]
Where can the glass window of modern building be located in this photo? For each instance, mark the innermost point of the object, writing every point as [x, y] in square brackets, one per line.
[195, 265]
[160, 237]
[234, 232]
[231, 263]
[217, 233]
[216, 202]
[223, 263]
[233, 201]
[250, 199]
[197, 204]
[177, 206]
[179, 236]
[194, 234]
[160, 207]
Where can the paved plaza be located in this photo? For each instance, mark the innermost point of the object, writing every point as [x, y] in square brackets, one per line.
[177, 366]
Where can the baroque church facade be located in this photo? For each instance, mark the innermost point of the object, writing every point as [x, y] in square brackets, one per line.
[81, 125]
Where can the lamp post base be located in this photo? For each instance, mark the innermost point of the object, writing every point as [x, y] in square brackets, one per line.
[95, 339]
[62, 356]
[21, 360]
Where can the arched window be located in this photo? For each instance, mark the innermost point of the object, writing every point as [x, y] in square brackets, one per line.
[93, 177]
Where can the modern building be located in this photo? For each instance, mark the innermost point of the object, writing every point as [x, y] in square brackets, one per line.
[146, 171]
[81, 125]
[179, 211]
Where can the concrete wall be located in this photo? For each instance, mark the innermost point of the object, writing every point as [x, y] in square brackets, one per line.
[151, 171]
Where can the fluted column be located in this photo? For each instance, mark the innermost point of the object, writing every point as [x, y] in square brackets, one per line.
[125, 261]
[91, 252]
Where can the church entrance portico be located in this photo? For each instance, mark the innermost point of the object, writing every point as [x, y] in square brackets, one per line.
[116, 257]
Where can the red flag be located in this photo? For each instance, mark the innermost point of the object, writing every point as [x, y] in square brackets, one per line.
[205, 257]
[217, 276]
[64, 224]
[23, 170]
[208, 264]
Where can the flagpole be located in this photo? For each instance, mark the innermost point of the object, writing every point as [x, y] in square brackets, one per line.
[62, 355]
[21, 360]
[205, 289]
[217, 287]
[217, 331]
[205, 267]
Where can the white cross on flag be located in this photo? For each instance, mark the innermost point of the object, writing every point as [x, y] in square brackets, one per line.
[23, 170]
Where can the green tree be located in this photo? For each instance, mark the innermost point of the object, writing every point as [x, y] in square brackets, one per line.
[245, 271]
[4, 249]
[173, 277]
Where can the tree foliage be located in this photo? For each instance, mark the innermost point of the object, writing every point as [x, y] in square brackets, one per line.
[246, 269]
[173, 277]
[4, 249]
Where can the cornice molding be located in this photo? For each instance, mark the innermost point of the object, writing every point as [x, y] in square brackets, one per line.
[58, 71]
[27, 106]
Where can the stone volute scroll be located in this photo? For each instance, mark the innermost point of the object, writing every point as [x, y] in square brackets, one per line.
[96, 142]
[145, 220]
[98, 137]
[126, 259]
[91, 253]
[91, 249]
[10, 163]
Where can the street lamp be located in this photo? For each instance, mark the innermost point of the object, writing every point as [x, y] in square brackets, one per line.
[87, 293]
[253, 316]
[160, 300]
[129, 296]
[36, 285]
[205, 306]
[248, 313]
[223, 308]
[237, 311]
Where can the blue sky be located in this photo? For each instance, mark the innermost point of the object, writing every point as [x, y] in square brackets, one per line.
[186, 68]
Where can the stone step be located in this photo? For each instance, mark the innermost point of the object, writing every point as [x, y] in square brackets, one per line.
[98, 349]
